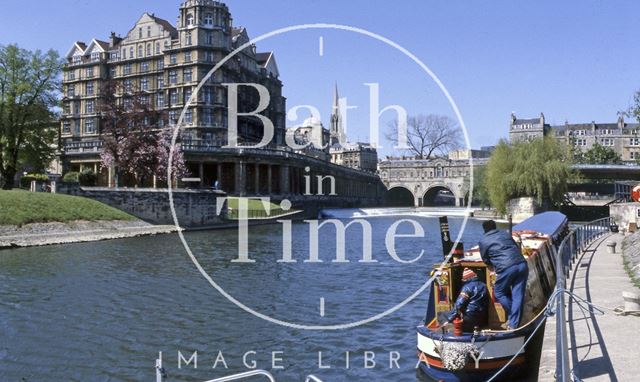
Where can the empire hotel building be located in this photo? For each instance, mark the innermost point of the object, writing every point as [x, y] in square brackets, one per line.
[164, 64]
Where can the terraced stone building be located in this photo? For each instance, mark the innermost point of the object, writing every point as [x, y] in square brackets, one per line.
[165, 63]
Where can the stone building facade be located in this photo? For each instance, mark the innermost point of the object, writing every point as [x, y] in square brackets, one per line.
[165, 63]
[621, 136]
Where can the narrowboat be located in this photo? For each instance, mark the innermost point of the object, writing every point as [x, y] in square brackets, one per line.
[446, 354]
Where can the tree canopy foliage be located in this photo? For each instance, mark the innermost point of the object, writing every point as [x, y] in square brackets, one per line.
[135, 139]
[29, 87]
[540, 168]
[598, 154]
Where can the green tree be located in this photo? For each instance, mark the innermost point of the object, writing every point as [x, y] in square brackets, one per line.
[599, 154]
[540, 168]
[29, 85]
[480, 194]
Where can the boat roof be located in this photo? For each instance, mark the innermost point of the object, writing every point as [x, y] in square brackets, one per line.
[549, 223]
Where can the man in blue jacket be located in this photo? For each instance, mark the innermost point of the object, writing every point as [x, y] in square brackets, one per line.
[500, 251]
[472, 302]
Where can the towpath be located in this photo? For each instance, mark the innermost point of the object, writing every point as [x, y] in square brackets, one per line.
[602, 347]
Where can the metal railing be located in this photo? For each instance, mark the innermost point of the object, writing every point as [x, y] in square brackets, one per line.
[573, 244]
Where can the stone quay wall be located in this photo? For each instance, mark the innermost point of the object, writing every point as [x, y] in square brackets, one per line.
[194, 208]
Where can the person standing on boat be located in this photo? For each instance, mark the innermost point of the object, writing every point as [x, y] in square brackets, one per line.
[472, 302]
[500, 251]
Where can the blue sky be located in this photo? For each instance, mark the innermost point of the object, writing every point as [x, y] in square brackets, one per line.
[572, 60]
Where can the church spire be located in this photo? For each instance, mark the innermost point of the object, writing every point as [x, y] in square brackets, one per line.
[337, 130]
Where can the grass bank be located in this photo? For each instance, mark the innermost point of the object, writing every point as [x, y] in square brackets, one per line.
[256, 209]
[21, 207]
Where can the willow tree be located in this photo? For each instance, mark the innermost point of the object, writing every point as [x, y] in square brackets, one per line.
[540, 168]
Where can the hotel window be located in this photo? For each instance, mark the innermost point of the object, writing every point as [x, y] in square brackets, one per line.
[188, 77]
[173, 77]
[95, 56]
[160, 64]
[71, 90]
[124, 53]
[187, 94]
[634, 155]
[77, 59]
[90, 88]
[173, 97]
[144, 100]
[139, 51]
[208, 96]
[76, 127]
[89, 128]
[160, 82]
[188, 116]
[208, 117]
[607, 132]
[209, 38]
[127, 103]
[634, 141]
[144, 67]
[173, 117]
[66, 127]
[114, 72]
[160, 100]
[66, 108]
[581, 142]
[157, 47]
[189, 19]
[139, 32]
[189, 38]
[580, 132]
[149, 31]
[128, 85]
[187, 56]
[89, 72]
[71, 75]
[607, 142]
[144, 84]
[89, 107]
[149, 51]
[127, 69]
[208, 56]
[173, 59]
[131, 52]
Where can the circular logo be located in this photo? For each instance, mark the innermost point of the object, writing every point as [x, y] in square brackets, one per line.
[291, 29]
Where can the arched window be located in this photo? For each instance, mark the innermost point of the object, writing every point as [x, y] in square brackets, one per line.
[189, 19]
[149, 51]
[139, 50]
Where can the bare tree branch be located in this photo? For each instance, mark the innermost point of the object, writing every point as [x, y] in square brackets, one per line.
[428, 135]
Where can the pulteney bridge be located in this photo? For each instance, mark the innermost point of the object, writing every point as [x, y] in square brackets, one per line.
[426, 182]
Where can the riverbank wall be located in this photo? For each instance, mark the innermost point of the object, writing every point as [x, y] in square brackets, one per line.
[194, 208]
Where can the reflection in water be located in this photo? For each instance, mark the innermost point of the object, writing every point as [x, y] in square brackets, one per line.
[103, 311]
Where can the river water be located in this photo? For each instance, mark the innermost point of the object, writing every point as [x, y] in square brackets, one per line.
[103, 311]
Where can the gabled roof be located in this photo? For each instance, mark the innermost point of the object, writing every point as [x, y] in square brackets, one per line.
[96, 45]
[165, 24]
[78, 47]
[267, 60]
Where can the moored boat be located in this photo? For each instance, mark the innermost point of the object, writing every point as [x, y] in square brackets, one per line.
[446, 354]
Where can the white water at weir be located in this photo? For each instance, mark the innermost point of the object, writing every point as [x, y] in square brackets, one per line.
[351, 213]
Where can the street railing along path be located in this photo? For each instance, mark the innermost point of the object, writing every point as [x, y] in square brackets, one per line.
[591, 341]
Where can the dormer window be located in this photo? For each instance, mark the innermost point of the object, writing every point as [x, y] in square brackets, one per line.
[77, 59]
[95, 56]
[189, 19]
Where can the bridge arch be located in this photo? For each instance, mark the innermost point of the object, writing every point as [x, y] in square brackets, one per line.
[439, 195]
[399, 196]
